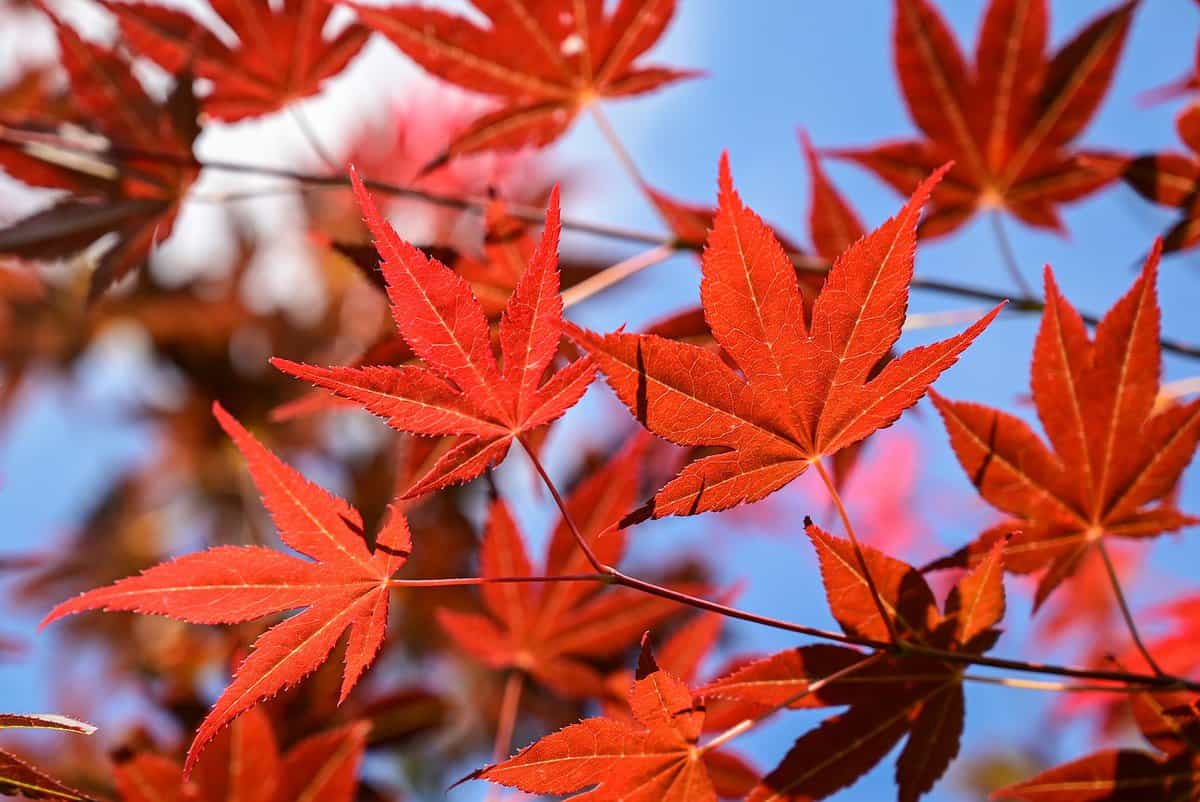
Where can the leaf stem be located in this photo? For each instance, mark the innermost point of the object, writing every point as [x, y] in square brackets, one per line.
[1007, 255]
[602, 280]
[746, 724]
[592, 559]
[618, 147]
[858, 552]
[1122, 603]
[510, 705]
[470, 581]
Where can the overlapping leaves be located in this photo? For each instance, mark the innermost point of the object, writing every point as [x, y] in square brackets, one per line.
[1008, 121]
[555, 632]
[344, 586]
[244, 764]
[131, 186]
[461, 389]
[898, 696]
[1170, 722]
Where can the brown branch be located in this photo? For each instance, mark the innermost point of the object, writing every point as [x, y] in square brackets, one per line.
[523, 212]
[861, 558]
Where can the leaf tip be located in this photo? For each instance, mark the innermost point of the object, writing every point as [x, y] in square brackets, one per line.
[646, 665]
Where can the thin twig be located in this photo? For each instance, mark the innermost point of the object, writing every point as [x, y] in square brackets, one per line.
[611, 576]
[1008, 256]
[1130, 624]
[858, 552]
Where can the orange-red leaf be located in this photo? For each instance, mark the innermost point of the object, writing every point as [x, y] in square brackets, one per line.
[543, 62]
[342, 587]
[800, 392]
[281, 54]
[653, 759]
[1115, 454]
[1008, 120]
[461, 388]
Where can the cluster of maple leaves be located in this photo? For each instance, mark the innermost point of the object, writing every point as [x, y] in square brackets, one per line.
[790, 365]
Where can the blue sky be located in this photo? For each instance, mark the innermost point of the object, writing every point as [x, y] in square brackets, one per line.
[773, 66]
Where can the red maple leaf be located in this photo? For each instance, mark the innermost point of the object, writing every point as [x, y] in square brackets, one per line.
[544, 62]
[896, 696]
[803, 390]
[114, 191]
[654, 758]
[1172, 179]
[681, 656]
[281, 54]
[555, 632]
[343, 587]
[1170, 722]
[461, 389]
[1116, 456]
[1009, 121]
[244, 764]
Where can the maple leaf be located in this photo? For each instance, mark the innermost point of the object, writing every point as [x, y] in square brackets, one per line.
[1008, 121]
[281, 54]
[244, 764]
[897, 696]
[553, 631]
[655, 757]
[543, 62]
[681, 655]
[18, 778]
[138, 199]
[1170, 722]
[1172, 179]
[802, 391]
[1113, 458]
[343, 587]
[833, 228]
[461, 389]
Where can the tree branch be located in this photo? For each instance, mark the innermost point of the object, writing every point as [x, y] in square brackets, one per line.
[110, 156]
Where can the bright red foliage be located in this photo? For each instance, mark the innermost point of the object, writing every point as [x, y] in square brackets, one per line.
[343, 586]
[653, 759]
[918, 697]
[1008, 121]
[555, 632]
[543, 61]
